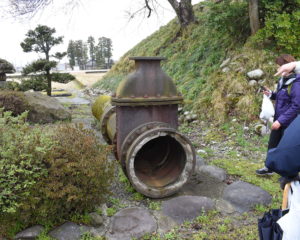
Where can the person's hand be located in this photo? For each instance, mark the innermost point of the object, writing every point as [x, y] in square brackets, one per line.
[285, 69]
[267, 92]
[276, 125]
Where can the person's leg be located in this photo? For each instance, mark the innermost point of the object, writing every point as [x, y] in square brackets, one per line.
[274, 140]
[275, 137]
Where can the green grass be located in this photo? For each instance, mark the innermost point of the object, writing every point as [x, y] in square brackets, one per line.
[193, 61]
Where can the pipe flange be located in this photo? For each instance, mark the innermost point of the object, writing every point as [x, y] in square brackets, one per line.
[133, 135]
[108, 111]
[171, 187]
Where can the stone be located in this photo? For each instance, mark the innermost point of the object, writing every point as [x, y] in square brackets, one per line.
[131, 223]
[244, 196]
[44, 109]
[96, 219]
[203, 185]
[201, 151]
[186, 208]
[199, 161]
[253, 83]
[225, 69]
[212, 171]
[30, 233]
[194, 117]
[164, 223]
[255, 74]
[67, 231]
[261, 129]
[188, 118]
[225, 63]
[225, 207]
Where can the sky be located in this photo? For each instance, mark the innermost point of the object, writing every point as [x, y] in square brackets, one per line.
[97, 18]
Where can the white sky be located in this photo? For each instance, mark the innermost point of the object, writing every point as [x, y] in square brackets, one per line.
[95, 18]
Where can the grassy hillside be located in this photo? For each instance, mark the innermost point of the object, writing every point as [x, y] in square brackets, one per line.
[194, 57]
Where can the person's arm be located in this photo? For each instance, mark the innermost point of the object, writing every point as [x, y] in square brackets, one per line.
[291, 113]
[287, 68]
[297, 68]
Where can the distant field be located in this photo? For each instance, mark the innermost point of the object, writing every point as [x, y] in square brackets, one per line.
[87, 79]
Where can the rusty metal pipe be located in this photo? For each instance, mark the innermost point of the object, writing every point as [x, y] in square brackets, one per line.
[157, 159]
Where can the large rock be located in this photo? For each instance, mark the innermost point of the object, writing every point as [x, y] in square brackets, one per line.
[186, 208]
[164, 223]
[212, 171]
[67, 231]
[244, 196]
[30, 233]
[44, 109]
[206, 181]
[256, 74]
[131, 223]
[96, 219]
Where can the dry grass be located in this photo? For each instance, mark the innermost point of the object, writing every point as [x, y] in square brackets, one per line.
[87, 79]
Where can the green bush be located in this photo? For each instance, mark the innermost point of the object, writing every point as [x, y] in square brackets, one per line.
[280, 26]
[229, 17]
[49, 174]
[79, 175]
[13, 101]
[37, 83]
[22, 154]
[62, 77]
[9, 85]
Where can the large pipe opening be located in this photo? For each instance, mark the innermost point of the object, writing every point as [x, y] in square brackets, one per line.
[160, 162]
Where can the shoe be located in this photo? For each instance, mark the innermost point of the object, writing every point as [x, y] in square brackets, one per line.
[264, 171]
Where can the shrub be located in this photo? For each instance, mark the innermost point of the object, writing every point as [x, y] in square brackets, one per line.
[62, 77]
[79, 175]
[281, 26]
[13, 101]
[229, 17]
[22, 151]
[37, 83]
[49, 174]
[10, 85]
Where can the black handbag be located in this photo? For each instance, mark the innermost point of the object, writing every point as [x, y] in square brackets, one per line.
[268, 229]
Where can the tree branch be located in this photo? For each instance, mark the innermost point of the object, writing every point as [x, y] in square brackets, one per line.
[148, 7]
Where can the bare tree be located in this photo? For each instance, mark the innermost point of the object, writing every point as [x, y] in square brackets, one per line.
[184, 11]
[183, 8]
[28, 8]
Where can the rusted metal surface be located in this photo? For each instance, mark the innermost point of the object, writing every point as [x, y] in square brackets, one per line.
[128, 118]
[157, 159]
[108, 123]
[159, 162]
[148, 85]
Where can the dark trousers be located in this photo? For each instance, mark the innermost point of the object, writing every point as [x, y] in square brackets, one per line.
[275, 137]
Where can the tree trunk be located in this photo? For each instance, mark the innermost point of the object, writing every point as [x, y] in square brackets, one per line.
[2, 77]
[184, 11]
[254, 16]
[49, 87]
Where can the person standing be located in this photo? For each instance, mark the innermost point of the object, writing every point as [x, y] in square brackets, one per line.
[287, 105]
